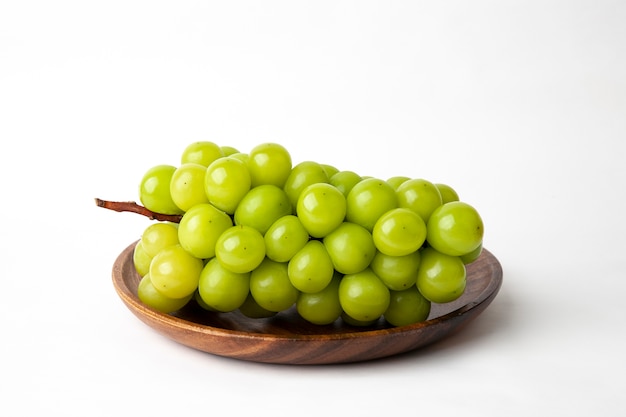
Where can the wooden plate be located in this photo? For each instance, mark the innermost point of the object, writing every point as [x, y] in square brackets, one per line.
[288, 339]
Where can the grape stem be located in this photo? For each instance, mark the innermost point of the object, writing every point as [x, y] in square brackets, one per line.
[132, 207]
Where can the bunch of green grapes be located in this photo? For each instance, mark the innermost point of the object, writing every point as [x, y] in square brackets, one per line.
[261, 235]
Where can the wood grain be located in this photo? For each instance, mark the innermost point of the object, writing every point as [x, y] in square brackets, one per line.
[288, 339]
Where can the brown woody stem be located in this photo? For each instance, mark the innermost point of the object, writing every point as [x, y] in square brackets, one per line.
[132, 207]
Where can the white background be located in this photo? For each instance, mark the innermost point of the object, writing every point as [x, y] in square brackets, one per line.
[521, 106]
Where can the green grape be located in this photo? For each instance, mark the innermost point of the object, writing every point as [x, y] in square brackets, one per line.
[174, 272]
[470, 257]
[399, 232]
[226, 182]
[455, 229]
[201, 303]
[419, 195]
[251, 309]
[285, 237]
[269, 163]
[158, 236]
[200, 227]
[368, 200]
[311, 269]
[396, 181]
[363, 296]
[330, 170]
[203, 153]
[243, 157]
[441, 278]
[358, 323]
[321, 208]
[154, 190]
[228, 150]
[321, 307]
[302, 175]
[396, 272]
[262, 206]
[351, 247]
[240, 248]
[344, 181]
[448, 194]
[221, 289]
[187, 186]
[270, 286]
[141, 260]
[407, 307]
[155, 299]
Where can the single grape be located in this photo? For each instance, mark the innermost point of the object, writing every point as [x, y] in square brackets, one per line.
[285, 237]
[221, 289]
[321, 307]
[262, 206]
[344, 181]
[227, 181]
[174, 272]
[141, 260]
[270, 286]
[368, 200]
[330, 170]
[396, 272]
[455, 228]
[269, 163]
[240, 248]
[251, 309]
[187, 186]
[311, 269]
[228, 150]
[154, 190]
[321, 208]
[203, 153]
[155, 299]
[399, 232]
[158, 236]
[397, 180]
[407, 307]
[363, 296]
[441, 278]
[302, 175]
[419, 195]
[243, 157]
[448, 193]
[200, 227]
[470, 257]
[201, 303]
[351, 247]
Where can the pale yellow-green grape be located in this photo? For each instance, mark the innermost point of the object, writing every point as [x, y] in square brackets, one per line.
[251, 309]
[141, 260]
[261, 207]
[368, 200]
[344, 181]
[200, 227]
[221, 289]
[154, 190]
[227, 181]
[311, 269]
[240, 249]
[321, 307]
[363, 296]
[158, 236]
[330, 170]
[228, 150]
[269, 163]
[270, 286]
[399, 232]
[455, 228]
[419, 195]
[448, 193]
[397, 180]
[470, 257]
[285, 237]
[321, 208]
[302, 175]
[407, 307]
[202, 152]
[156, 300]
[187, 186]
[351, 248]
[174, 272]
[441, 278]
[396, 272]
